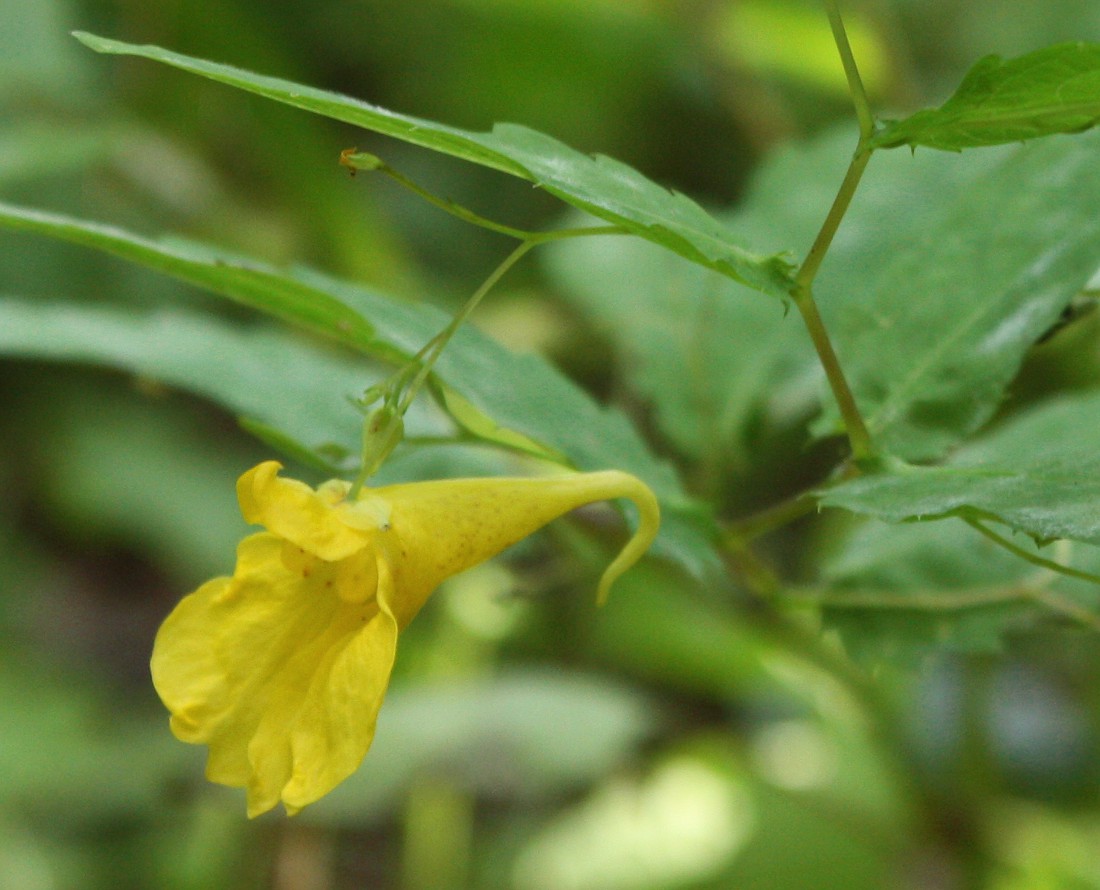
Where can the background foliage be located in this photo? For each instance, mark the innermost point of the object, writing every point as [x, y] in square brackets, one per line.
[672, 739]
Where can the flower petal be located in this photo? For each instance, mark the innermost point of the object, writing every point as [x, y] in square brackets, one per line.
[293, 510]
[244, 665]
[440, 528]
[335, 728]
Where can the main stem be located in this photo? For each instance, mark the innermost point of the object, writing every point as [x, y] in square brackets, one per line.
[802, 293]
[851, 71]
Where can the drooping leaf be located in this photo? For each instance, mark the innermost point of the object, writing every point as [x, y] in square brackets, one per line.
[1039, 474]
[1051, 90]
[600, 185]
[519, 393]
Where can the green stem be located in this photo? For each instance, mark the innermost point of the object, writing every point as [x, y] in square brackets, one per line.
[851, 71]
[756, 574]
[1058, 603]
[770, 519]
[356, 161]
[808, 270]
[1033, 558]
[909, 600]
[862, 447]
[435, 346]
[400, 390]
[805, 276]
[449, 206]
[802, 291]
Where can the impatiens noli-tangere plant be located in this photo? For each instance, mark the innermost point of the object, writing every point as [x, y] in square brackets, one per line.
[920, 291]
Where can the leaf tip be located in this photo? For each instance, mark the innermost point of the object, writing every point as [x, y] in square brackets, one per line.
[93, 41]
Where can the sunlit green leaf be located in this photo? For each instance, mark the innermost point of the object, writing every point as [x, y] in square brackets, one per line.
[1051, 90]
[599, 185]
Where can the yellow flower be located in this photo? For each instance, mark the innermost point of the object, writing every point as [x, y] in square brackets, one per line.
[281, 669]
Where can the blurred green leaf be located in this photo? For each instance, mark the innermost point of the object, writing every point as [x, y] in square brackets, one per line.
[898, 593]
[708, 355]
[806, 843]
[124, 472]
[601, 186]
[659, 628]
[36, 61]
[65, 762]
[792, 41]
[1038, 473]
[253, 370]
[47, 148]
[1051, 90]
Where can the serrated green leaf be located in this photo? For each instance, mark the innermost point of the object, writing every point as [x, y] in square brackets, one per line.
[1051, 90]
[598, 185]
[1039, 474]
[521, 393]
